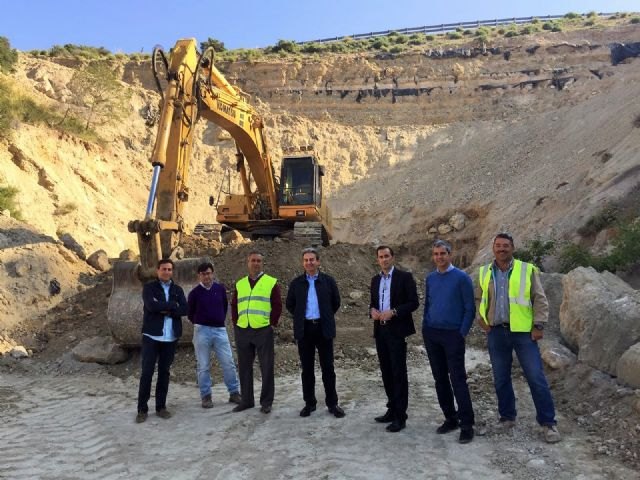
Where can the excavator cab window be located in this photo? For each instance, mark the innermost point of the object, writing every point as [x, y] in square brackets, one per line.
[298, 185]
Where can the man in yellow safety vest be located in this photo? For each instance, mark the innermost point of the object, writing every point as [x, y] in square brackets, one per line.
[255, 309]
[513, 310]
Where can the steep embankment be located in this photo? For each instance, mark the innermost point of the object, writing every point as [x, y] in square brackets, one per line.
[534, 135]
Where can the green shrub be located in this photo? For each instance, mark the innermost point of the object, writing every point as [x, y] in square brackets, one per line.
[378, 44]
[626, 252]
[547, 26]
[8, 55]
[8, 201]
[65, 208]
[401, 39]
[535, 250]
[511, 33]
[535, 21]
[603, 219]
[635, 20]
[573, 256]
[528, 30]
[454, 35]
[217, 45]
[556, 28]
[430, 38]
[592, 14]
[572, 15]
[397, 49]
[19, 108]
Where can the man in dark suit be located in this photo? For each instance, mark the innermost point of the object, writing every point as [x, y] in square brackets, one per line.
[393, 298]
[313, 299]
[164, 305]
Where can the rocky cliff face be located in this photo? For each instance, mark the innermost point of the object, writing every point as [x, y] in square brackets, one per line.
[533, 135]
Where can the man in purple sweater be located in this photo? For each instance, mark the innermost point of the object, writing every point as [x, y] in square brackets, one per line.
[207, 311]
[449, 311]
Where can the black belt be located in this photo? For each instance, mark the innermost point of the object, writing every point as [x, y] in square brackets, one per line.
[312, 321]
[383, 323]
[503, 325]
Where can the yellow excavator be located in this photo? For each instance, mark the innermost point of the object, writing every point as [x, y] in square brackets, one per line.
[194, 88]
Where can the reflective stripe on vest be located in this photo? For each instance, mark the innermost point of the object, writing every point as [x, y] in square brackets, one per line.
[254, 305]
[520, 306]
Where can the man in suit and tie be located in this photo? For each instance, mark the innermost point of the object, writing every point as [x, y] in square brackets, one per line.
[393, 299]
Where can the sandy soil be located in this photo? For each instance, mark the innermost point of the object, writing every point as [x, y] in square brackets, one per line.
[81, 426]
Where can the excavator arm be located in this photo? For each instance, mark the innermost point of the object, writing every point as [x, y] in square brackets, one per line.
[197, 89]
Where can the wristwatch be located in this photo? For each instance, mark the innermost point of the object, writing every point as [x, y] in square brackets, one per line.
[538, 326]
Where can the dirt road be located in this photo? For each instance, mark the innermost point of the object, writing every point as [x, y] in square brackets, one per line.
[82, 426]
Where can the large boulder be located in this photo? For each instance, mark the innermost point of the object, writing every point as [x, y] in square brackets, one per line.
[552, 284]
[99, 350]
[599, 317]
[628, 368]
[99, 260]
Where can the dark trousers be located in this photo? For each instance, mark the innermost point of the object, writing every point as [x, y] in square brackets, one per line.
[392, 354]
[152, 352]
[307, 346]
[445, 349]
[250, 341]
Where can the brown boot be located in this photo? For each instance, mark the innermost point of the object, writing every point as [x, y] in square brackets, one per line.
[206, 402]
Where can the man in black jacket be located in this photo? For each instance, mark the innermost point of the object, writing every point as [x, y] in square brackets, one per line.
[164, 304]
[393, 298]
[313, 299]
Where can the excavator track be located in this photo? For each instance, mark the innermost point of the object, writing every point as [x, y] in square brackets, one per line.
[312, 233]
[125, 310]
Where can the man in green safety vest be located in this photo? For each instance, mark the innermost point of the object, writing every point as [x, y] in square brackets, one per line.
[513, 310]
[255, 309]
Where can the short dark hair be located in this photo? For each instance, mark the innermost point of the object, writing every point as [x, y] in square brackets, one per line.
[311, 250]
[163, 261]
[255, 252]
[203, 267]
[383, 247]
[505, 235]
[441, 244]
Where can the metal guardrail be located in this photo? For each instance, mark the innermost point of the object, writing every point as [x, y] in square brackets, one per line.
[446, 27]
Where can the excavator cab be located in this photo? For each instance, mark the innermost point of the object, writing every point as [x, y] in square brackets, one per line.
[300, 181]
[300, 197]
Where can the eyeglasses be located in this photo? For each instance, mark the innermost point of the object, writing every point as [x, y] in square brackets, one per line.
[205, 273]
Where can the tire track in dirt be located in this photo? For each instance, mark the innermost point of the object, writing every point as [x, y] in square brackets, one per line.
[83, 427]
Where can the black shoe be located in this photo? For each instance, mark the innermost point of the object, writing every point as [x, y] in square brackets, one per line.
[163, 413]
[386, 418]
[449, 425]
[241, 407]
[265, 408]
[396, 426]
[306, 411]
[337, 411]
[141, 417]
[466, 435]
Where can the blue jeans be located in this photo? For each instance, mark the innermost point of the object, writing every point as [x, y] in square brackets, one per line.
[204, 339]
[501, 343]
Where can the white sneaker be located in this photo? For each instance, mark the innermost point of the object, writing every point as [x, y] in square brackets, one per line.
[551, 434]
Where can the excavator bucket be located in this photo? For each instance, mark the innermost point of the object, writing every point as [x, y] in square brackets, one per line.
[125, 310]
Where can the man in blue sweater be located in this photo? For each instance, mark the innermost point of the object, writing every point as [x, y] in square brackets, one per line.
[449, 311]
[207, 311]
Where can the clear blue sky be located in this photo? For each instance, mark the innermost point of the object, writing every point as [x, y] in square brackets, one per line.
[135, 25]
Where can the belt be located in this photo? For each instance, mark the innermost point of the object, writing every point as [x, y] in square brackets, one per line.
[383, 323]
[503, 325]
[313, 321]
